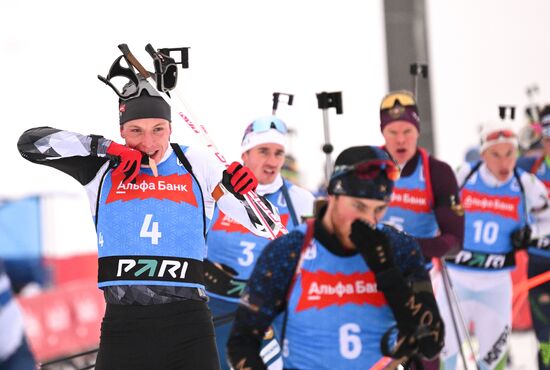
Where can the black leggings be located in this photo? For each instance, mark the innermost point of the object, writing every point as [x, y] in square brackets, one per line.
[172, 336]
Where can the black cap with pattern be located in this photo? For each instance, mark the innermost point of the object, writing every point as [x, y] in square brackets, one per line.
[344, 182]
[147, 104]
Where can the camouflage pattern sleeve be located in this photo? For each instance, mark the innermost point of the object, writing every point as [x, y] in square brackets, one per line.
[263, 299]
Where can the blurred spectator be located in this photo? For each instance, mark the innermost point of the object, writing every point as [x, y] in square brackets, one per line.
[14, 350]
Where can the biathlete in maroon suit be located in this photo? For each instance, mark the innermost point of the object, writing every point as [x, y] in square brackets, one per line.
[345, 287]
[425, 200]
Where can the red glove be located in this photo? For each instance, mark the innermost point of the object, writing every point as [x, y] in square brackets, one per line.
[239, 180]
[130, 161]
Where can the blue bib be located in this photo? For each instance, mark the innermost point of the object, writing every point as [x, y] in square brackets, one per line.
[542, 171]
[151, 232]
[232, 244]
[332, 303]
[410, 208]
[491, 215]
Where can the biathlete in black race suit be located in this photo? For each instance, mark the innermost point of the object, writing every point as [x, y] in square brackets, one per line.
[150, 230]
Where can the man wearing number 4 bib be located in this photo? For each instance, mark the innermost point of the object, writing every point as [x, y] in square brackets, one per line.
[232, 249]
[349, 290]
[505, 207]
[151, 213]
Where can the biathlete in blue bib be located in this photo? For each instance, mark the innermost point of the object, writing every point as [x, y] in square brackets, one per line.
[346, 289]
[151, 213]
[505, 208]
[232, 249]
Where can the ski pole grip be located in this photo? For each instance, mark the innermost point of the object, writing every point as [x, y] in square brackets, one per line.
[275, 101]
[133, 61]
[151, 50]
[326, 100]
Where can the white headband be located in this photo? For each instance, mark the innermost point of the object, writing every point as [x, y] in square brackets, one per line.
[503, 137]
[271, 136]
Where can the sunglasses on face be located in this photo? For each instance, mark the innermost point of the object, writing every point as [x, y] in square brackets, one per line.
[265, 124]
[402, 99]
[507, 134]
[370, 169]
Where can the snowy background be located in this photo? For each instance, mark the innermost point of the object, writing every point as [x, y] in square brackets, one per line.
[481, 54]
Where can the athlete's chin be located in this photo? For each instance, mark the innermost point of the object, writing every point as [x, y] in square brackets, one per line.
[157, 156]
[503, 175]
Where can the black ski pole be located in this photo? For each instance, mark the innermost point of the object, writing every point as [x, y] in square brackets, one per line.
[289, 101]
[325, 101]
[417, 70]
[507, 112]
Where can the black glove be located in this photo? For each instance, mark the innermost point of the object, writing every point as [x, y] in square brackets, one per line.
[373, 245]
[521, 237]
[239, 180]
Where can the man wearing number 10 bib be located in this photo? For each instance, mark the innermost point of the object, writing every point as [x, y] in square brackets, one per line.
[505, 208]
[349, 290]
[152, 202]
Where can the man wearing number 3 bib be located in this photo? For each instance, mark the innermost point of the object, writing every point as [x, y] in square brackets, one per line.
[505, 207]
[348, 290]
[152, 202]
[232, 249]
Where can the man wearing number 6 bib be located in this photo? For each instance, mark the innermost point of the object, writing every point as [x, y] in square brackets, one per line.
[348, 289]
[505, 207]
[232, 249]
[152, 202]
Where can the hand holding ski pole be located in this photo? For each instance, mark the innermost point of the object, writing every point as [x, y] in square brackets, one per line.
[239, 180]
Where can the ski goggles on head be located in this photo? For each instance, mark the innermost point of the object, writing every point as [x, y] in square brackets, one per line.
[131, 91]
[370, 169]
[404, 99]
[266, 124]
[506, 134]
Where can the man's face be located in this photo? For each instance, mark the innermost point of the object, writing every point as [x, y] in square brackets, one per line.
[149, 135]
[401, 140]
[265, 161]
[500, 160]
[343, 210]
